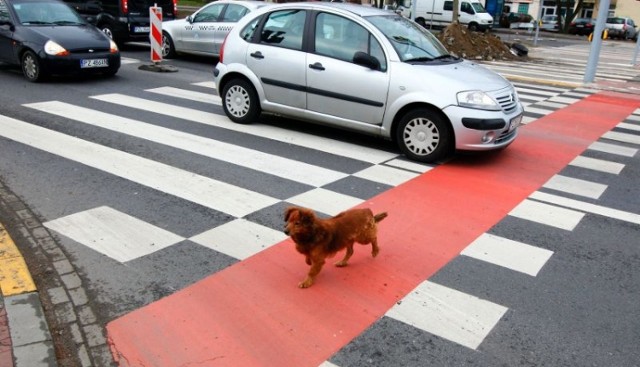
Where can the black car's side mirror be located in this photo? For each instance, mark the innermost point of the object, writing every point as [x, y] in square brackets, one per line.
[364, 59]
[8, 24]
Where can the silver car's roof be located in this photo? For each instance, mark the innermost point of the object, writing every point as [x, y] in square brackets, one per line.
[360, 10]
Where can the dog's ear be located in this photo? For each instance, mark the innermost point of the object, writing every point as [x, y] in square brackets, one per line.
[288, 212]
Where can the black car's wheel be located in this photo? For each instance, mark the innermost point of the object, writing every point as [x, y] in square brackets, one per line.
[424, 136]
[240, 101]
[168, 48]
[31, 67]
[106, 29]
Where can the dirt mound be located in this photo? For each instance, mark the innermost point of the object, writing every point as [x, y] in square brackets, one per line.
[459, 40]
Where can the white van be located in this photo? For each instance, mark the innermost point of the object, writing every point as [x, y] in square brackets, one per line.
[439, 13]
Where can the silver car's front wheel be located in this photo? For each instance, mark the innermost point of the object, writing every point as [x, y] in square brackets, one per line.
[240, 101]
[424, 136]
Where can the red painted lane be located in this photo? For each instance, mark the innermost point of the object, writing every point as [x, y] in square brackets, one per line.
[252, 313]
[6, 349]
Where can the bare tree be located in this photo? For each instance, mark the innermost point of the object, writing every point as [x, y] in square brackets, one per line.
[566, 7]
[456, 11]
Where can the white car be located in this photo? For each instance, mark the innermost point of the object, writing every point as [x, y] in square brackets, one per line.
[364, 69]
[202, 32]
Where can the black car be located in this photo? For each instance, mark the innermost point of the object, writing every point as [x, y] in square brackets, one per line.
[47, 37]
[582, 26]
[124, 20]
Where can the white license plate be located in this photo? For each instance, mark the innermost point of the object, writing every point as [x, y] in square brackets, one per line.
[515, 122]
[94, 63]
[141, 29]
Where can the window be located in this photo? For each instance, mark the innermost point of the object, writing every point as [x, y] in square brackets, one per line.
[284, 28]
[209, 14]
[248, 31]
[448, 5]
[4, 12]
[466, 8]
[234, 13]
[341, 38]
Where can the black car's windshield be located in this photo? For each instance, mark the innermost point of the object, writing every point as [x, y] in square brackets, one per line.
[46, 13]
[411, 41]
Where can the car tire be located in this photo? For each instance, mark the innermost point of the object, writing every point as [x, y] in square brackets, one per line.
[108, 30]
[168, 48]
[31, 67]
[473, 27]
[240, 101]
[422, 22]
[424, 135]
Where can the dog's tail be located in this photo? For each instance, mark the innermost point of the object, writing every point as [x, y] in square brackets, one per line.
[380, 216]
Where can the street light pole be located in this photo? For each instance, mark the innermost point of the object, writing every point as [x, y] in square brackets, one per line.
[596, 42]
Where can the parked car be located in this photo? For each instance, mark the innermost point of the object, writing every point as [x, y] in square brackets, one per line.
[621, 27]
[202, 32]
[123, 20]
[368, 70]
[582, 26]
[47, 37]
[506, 19]
[549, 23]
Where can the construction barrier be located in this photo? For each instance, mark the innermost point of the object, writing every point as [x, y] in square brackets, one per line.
[155, 33]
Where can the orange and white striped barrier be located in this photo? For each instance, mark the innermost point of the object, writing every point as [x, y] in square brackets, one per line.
[155, 33]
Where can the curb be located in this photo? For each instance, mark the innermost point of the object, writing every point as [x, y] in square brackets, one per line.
[25, 339]
[66, 330]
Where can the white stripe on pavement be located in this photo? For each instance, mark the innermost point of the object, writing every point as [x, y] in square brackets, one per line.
[507, 253]
[587, 207]
[623, 137]
[448, 313]
[547, 214]
[575, 186]
[112, 233]
[239, 238]
[325, 201]
[613, 149]
[264, 131]
[192, 187]
[256, 160]
[597, 165]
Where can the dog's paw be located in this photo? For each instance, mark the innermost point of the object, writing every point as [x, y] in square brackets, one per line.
[375, 252]
[306, 283]
[341, 264]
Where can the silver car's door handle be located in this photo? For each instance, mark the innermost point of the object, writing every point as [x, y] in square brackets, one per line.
[316, 66]
[257, 55]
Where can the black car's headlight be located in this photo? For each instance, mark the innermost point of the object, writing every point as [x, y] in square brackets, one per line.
[54, 49]
[113, 48]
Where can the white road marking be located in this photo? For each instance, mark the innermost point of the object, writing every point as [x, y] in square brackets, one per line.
[448, 313]
[613, 149]
[239, 238]
[264, 131]
[386, 175]
[623, 137]
[575, 186]
[597, 165]
[112, 233]
[627, 126]
[325, 201]
[187, 94]
[411, 166]
[262, 162]
[547, 214]
[587, 207]
[507, 253]
[189, 186]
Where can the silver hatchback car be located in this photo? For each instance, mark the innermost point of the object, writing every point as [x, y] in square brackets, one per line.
[368, 70]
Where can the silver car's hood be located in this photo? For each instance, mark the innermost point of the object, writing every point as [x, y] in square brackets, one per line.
[465, 75]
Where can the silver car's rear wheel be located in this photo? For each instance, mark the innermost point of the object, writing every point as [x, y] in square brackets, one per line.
[424, 136]
[240, 101]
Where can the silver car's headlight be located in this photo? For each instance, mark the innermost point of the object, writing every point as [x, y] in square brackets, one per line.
[478, 100]
[54, 49]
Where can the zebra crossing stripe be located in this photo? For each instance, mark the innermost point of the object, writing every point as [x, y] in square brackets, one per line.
[547, 214]
[333, 146]
[272, 164]
[448, 313]
[575, 186]
[613, 149]
[192, 187]
[598, 165]
[209, 98]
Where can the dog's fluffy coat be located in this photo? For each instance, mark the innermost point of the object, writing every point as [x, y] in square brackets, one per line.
[318, 238]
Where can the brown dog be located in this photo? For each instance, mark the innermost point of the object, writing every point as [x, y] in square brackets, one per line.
[318, 238]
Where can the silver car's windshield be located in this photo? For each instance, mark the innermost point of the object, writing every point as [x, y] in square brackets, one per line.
[410, 40]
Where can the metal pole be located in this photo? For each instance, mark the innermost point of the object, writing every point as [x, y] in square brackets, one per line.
[596, 43]
[538, 20]
[635, 53]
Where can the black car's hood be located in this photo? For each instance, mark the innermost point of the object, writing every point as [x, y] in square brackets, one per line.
[69, 36]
